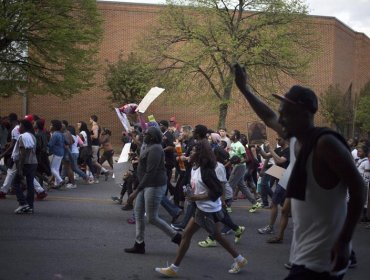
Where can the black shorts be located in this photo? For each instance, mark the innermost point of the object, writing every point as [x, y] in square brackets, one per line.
[300, 272]
[208, 220]
[278, 197]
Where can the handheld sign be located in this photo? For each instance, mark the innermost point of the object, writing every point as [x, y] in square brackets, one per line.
[149, 98]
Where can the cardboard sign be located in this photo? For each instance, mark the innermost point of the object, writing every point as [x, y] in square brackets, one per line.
[151, 118]
[276, 171]
[149, 98]
[257, 133]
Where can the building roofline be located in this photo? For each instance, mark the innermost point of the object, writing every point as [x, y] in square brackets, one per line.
[162, 5]
[341, 23]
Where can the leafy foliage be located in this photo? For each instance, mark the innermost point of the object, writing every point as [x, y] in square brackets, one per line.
[337, 107]
[48, 46]
[198, 41]
[363, 109]
[128, 80]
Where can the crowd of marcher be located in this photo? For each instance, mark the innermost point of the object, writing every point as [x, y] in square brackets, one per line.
[196, 173]
[38, 158]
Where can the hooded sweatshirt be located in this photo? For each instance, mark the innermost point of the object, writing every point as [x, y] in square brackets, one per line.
[151, 171]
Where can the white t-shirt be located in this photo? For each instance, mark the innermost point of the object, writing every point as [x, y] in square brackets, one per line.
[283, 182]
[15, 133]
[199, 187]
[363, 165]
[354, 154]
[221, 175]
[74, 148]
[83, 133]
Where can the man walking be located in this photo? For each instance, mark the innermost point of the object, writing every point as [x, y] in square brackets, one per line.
[318, 185]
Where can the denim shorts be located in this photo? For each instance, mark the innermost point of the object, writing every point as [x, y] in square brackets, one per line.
[278, 196]
[208, 220]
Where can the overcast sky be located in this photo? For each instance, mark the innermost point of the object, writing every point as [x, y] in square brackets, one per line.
[355, 13]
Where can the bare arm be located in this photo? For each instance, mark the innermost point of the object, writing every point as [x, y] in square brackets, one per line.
[275, 156]
[265, 113]
[95, 132]
[9, 149]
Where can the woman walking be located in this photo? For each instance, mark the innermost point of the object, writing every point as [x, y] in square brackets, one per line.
[150, 191]
[56, 149]
[209, 209]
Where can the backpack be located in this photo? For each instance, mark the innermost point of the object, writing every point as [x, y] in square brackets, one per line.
[213, 184]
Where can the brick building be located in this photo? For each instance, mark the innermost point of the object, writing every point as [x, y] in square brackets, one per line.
[345, 58]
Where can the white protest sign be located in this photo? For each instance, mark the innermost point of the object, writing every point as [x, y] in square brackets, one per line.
[124, 120]
[149, 98]
[119, 170]
[125, 153]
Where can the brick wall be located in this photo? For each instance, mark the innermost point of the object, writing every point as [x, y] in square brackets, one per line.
[344, 58]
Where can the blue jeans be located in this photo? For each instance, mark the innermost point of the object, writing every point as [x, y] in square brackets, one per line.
[29, 171]
[265, 189]
[148, 201]
[170, 207]
[75, 166]
[237, 180]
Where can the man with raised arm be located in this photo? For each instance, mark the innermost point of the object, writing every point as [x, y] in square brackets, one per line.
[323, 173]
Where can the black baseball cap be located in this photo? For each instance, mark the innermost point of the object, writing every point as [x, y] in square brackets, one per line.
[300, 96]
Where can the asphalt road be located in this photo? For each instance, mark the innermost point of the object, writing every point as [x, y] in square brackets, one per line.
[81, 234]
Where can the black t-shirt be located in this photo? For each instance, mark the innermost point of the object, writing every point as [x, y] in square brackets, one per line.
[168, 140]
[283, 153]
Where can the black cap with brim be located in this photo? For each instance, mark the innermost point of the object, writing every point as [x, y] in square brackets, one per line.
[300, 96]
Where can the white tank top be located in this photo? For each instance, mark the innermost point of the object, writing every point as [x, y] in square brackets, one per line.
[317, 223]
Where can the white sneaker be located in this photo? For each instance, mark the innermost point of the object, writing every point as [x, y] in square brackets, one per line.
[22, 209]
[71, 186]
[237, 266]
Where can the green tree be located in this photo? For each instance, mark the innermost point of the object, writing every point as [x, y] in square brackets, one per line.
[48, 46]
[128, 80]
[198, 41]
[363, 109]
[337, 108]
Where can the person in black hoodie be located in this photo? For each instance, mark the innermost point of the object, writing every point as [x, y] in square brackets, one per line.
[152, 186]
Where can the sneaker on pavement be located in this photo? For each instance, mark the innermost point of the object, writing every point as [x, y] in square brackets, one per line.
[166, 271]
[237, 266]
[177, 227]
[266, 230]
[131, 221]
[2, 195]
[255, 206]
[207, 243]
[116, 199]
[106, 175]
[23, 209]
[41, 195]
[71, 186]
[127, 207]
[238, 233]
[226, 231]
